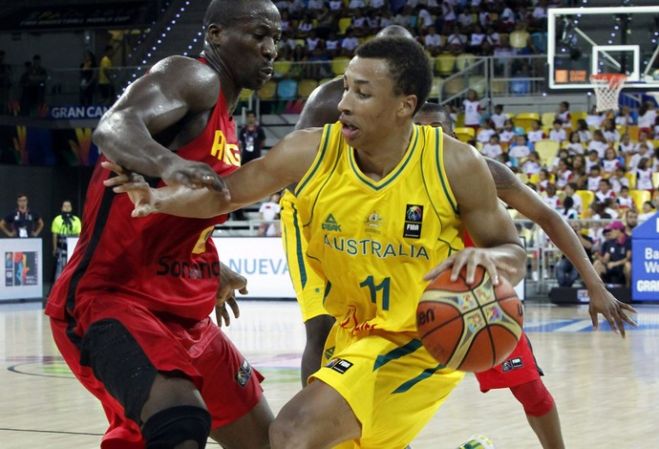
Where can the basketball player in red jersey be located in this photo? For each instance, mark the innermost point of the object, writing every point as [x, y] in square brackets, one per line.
[520, 373]
[130, 314]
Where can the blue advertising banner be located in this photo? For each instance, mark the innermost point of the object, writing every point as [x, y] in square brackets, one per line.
[645, 260]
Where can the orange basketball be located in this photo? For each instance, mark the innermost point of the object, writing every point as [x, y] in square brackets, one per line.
[470, 328]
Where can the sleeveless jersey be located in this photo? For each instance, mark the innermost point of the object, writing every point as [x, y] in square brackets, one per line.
[168, 263]
[373, 241]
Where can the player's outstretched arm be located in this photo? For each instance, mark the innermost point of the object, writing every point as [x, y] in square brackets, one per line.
[520, 197]
[173, 88]
[498, 246]
[283, 165]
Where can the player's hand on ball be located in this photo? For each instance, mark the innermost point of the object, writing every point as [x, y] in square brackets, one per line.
[471, 258]
[230, 281]
[140, 193]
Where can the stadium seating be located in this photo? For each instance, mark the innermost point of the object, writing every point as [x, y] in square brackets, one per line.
[524, 119]
[268, 91]
[587, 198]
[287, 89]
[445, 64]
[547, 150]
[465, 134]
[306, 86]
[548, 119]
[639, 197]
[339, 65]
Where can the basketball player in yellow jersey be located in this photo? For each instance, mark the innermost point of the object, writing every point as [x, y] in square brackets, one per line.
[378, 200]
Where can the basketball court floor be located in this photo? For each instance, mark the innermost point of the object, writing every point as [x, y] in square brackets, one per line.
[606, 388]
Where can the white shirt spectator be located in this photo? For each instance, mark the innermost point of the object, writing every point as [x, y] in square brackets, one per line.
[385, 22]
[507, 16]
[590, 164]
[448, 13]
[484, 18]
[539, 13]
[476, 39]
[563, 178]
[315, 4]
[647, 143]
[577, 202]
[484, 135]
[564, 117]
[472, 112]
[331, 44]
[594, 182]
[627, 148]
[635, 159]
[519, 151]
[355, 4]
[492, 150]
[552, 201]
[494, 39]
[531, 167]
[465, 19]
[499, 120]
[359, 22]
[598, 146]
[625, 202]
[585, 135]
[644, 179]
[312, 43]
[575, 148]
[594, 120]
[456, 39]
[349, 43]
[647, 120]
[618, 183]
[336, 5]
[506, 135]
[602, 196]
[534, 136]
[425, 18]
[433, 40]
[377, 4]
[624, 120]
[611, 136]
[558, 135]
[610, 165]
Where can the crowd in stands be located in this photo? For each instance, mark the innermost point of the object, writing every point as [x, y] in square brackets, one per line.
[320, 30]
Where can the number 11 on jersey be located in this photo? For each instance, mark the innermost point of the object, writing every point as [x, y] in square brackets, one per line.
[384, 286]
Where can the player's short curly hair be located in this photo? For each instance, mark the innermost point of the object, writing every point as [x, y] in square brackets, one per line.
[408, 63]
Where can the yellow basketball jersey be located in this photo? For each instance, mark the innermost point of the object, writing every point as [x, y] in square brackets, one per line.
[373, 241]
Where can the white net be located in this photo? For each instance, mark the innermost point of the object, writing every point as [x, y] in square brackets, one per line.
[607, 90]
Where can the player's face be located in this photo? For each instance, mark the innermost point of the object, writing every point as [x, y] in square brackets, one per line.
[248, 48]
[370, 108]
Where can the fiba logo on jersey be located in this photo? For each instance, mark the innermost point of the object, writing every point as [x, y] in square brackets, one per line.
[413, 219]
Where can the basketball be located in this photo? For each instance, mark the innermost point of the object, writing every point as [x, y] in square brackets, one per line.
[469, 328]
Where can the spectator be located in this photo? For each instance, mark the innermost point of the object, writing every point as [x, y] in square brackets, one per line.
[592, 160]
[631, 221]
[563, 173]
[476, 40]
[251, 138]
[5, 83]
[614, 263]
[644, 174]
[535, 133]
[598, 143]
[604, 191]
[456, 42]
[625, 117]
[611, 162]
[349, 43]
[88, 69]
[624, 200]
[64, 225]
[543, 180]
[499, 118]
[550, 198]
[472, 109]
[646, 117]
[594, 119]
[610, 132]
[563, 114]
[558, 133]
[492, 148]
[584, 133]
[508, 133]
[23, 222]
[568, 211]
[519, 151]
[644, 139]
[105, 76]
[626, 146]
[648, 211]
[570, 192]
[485, 132]
[433, 41]
[594, 178]
[269, 213]
[566, 274]
[33, 84]
[618, 179]
[575, 146]
[643, 153]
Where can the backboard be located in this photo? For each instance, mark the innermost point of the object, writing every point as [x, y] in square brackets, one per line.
[608, 39]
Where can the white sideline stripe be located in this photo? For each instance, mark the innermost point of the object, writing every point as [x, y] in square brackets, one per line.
[575, 327]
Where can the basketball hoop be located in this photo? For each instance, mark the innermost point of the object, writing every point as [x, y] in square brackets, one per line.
[607, 90]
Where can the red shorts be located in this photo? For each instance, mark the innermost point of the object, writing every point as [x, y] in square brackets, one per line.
[519, 368]
[198, 350]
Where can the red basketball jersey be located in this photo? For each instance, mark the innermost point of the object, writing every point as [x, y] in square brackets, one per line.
[167, 263]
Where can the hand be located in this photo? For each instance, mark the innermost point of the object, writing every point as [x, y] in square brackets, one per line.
[230, 281]
[191, 174]
[139, 192]
[615, 312]
[471, 258]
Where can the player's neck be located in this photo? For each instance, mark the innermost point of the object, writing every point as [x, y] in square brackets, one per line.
[380, 157]
[228, 86]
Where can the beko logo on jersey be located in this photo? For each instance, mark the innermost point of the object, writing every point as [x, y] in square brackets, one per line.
[187, 270]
